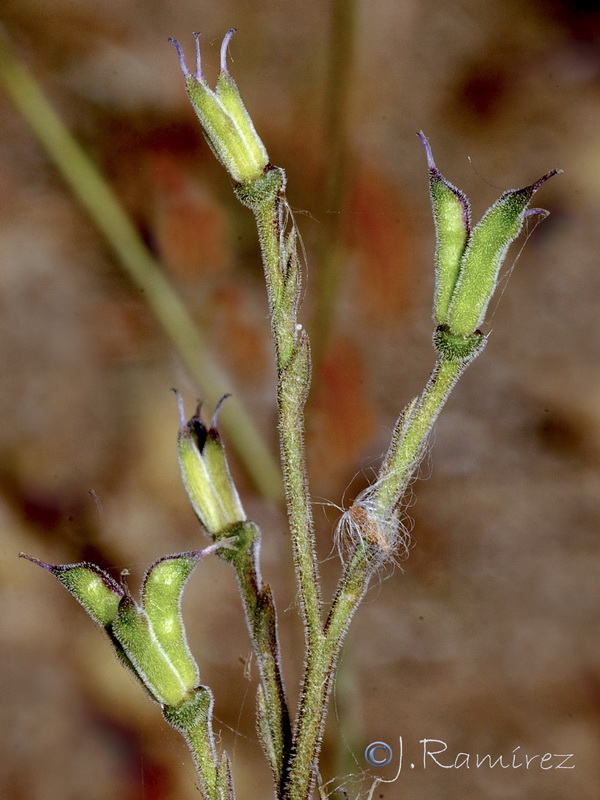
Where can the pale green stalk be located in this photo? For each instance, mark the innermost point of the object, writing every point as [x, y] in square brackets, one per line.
[410, 436]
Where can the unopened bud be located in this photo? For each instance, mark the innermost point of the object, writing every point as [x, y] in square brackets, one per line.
[206, 474]
[225, 122]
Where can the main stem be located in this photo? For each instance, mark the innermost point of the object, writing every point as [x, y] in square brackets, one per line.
[277, 236]
[407, 447]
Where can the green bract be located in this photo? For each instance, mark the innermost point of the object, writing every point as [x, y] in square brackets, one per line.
[224, 119]
[205, 473]
[467, 262]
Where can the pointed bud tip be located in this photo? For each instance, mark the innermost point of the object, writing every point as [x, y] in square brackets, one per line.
[535, 186]
[43, 564]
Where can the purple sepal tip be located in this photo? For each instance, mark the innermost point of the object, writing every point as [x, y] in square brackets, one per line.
[181, 57]
[182, 419]
[224, 46]
[215, 419]
[428, 153]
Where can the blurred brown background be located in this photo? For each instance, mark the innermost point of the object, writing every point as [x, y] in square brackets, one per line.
[488, 638]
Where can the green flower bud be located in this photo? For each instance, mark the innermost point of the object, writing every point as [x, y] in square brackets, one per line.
[468, 261]
[225, 122]
[206, 474]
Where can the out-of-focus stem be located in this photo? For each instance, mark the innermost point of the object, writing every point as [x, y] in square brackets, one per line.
[336, 166]
[96, 195]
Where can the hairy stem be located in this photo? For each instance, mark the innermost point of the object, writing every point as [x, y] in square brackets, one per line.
[411, 433]
[277, 235]
[193, 719]
[407, 447]
[415, 423]
[261, 618]
[319, 676]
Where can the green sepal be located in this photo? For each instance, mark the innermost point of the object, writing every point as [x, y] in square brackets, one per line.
[97, 592]
[197, 481]
[484, 254]
[452, 220]
[255, 153]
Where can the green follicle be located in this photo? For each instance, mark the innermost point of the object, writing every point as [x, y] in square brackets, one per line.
[152, 635]
[149, 638]
[162, 590]
[452, 219]
[97, 592]
[225, 122]
[467, 262]
[484, 254]
[153, 667]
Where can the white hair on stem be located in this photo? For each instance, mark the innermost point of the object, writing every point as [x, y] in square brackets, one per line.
[362, 525]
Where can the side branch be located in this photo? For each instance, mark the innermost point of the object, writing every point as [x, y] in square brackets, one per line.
[261, 618]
